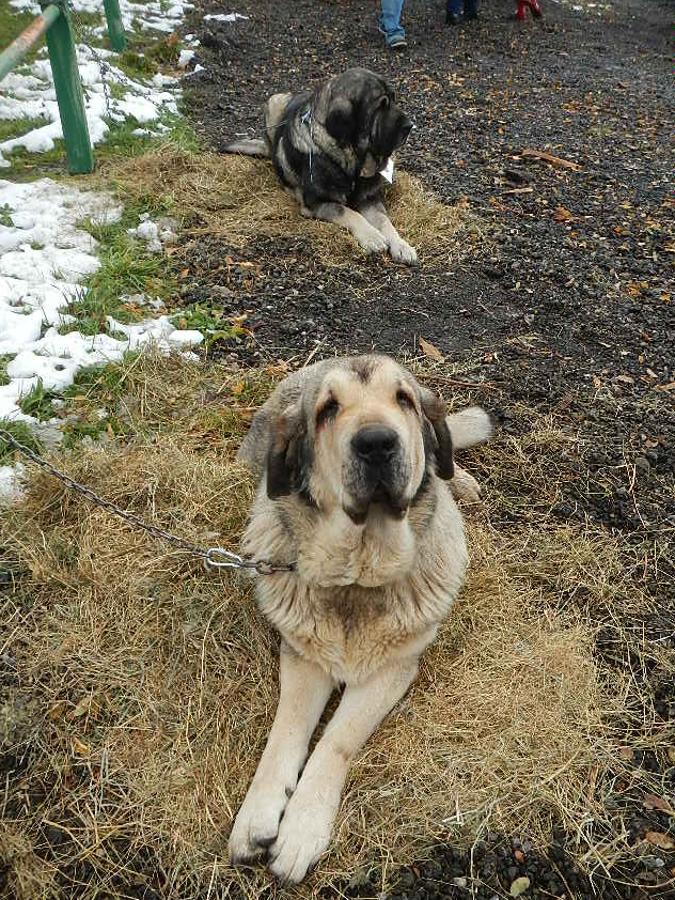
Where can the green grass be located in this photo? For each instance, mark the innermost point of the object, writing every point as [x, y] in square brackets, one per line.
[117, 91]
[126, 268]
[210, 322]
[38, 402]
[146, 55]
[119, 143]
[13, 128]
[22, 432]
[4, 377]
[94, 390]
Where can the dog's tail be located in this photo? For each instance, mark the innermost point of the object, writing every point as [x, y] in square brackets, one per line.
[253, 147]
[469, 427]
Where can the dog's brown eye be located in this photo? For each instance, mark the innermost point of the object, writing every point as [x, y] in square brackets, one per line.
[404, 400]
[328, 411]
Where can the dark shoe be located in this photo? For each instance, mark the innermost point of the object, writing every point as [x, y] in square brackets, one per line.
[397, 43]
[452, 18]
[469, 16]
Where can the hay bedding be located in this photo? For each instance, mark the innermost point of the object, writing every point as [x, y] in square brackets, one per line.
[146, 687]
[238, 198]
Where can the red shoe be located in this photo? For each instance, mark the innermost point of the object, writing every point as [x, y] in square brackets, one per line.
[534, 7]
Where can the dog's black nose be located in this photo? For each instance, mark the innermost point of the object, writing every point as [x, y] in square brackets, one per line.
[375, 443]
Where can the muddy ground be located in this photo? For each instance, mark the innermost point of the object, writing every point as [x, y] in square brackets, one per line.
[564, 309]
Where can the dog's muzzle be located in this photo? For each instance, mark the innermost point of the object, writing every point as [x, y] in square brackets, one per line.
[377, 472]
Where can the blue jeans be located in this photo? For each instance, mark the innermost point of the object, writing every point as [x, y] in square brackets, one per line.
[390, 19]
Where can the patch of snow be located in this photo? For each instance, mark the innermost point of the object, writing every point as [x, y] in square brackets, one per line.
[224, 17]
[30, 93]
[156, 234]
[185, 57]
[10, 483]
[151, 15]
[46, 257]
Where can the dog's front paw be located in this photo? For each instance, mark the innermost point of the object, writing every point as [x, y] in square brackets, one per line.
[401, 251]
[303, 836]
[372, 241]
[257, 822]
[464, 486]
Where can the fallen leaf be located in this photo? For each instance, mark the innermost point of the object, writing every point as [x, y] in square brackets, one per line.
[80, 747]
[57, 710]
[660, 840]
[666, 387]
[562, 214]
[519, 855]
[81, 708]
[652, 801]
[625, 379]
[551, 159]
[626, 753]
[429, 350]
[519, 886]
[238, 388]
[671, 754]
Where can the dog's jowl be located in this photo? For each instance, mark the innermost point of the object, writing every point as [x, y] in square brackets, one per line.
[333, 148]
[357, 490]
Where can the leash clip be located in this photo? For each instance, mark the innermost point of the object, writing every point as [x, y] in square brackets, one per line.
[219, 558]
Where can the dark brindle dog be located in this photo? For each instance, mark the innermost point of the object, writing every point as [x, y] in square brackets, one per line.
[330, 147]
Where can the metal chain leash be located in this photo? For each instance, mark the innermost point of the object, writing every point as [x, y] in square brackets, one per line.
[213, 557]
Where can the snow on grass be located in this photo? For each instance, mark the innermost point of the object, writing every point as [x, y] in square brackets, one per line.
[44, 257]
[224, 17]
[110, 96]
[149, 15]
[47, 250]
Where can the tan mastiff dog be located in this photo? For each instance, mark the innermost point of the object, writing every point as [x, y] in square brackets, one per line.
[355, 460]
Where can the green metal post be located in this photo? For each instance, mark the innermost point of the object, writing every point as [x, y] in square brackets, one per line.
[69, 94]
[18, 48]
[118, 39]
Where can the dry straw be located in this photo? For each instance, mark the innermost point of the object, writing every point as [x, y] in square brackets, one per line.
[147, 686]
[238, 198]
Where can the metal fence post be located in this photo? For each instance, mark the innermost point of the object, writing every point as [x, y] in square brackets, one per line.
[69, 94]
[118, 39]
[13, 55]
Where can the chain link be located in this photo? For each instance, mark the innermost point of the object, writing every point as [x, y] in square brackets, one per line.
[213, 557]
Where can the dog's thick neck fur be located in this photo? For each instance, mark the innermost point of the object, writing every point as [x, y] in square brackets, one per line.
[359, 591]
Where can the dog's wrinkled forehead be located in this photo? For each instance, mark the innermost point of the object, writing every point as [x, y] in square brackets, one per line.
[361, 85]
[359, 379]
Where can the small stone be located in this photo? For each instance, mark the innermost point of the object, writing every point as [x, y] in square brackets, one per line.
[519, 886]
[460, 882]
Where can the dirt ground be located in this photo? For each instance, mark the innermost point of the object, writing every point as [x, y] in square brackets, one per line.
[561, 307]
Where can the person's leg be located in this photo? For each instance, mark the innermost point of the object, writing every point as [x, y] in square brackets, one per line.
[453, 12]
[390, 21]
[471, 8]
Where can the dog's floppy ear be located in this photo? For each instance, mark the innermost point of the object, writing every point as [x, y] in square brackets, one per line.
[289, 457]
[342, 121]
[434, 410]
